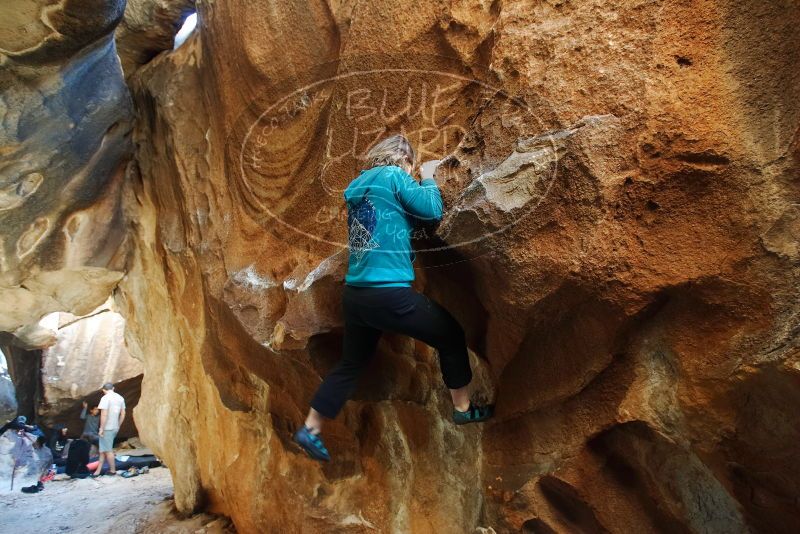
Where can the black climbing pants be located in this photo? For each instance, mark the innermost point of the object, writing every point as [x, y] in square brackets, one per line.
[368, 312]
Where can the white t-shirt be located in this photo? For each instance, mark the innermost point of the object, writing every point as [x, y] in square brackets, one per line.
[114, 403]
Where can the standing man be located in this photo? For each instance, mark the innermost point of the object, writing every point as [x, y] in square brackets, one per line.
[112, 414]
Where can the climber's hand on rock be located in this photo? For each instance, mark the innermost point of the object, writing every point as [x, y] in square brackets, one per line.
[85, 404]
[428, 168]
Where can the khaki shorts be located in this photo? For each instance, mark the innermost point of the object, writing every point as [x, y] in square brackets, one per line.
[107, 440]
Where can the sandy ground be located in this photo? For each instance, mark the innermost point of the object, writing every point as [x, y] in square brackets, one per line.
[140, 505]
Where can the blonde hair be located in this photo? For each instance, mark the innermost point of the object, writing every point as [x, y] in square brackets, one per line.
[394, 150]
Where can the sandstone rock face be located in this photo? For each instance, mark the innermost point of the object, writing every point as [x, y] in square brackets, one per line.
[64, 146]
[66, 120]
[620, 244]
[148, 28]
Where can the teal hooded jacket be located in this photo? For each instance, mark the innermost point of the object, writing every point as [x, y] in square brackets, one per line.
[383, 205]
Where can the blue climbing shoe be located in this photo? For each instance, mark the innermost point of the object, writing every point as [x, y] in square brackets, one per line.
[312, 444]
[474, 414]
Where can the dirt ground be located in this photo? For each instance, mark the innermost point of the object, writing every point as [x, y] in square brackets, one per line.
[140, 505]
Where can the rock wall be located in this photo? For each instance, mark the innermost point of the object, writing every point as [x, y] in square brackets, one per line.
[88, 352]
[148, 28]
[65, 127]
[620, 244]
[65, 137]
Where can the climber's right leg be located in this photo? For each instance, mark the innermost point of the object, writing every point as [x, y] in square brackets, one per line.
[357, 349]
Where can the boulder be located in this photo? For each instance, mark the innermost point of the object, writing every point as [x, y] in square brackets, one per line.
[66, 139]
[619, 243]
[88, 352]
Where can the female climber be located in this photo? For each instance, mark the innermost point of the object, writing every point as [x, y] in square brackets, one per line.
[383, 204]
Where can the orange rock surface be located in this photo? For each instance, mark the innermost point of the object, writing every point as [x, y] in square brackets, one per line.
[620, 243]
